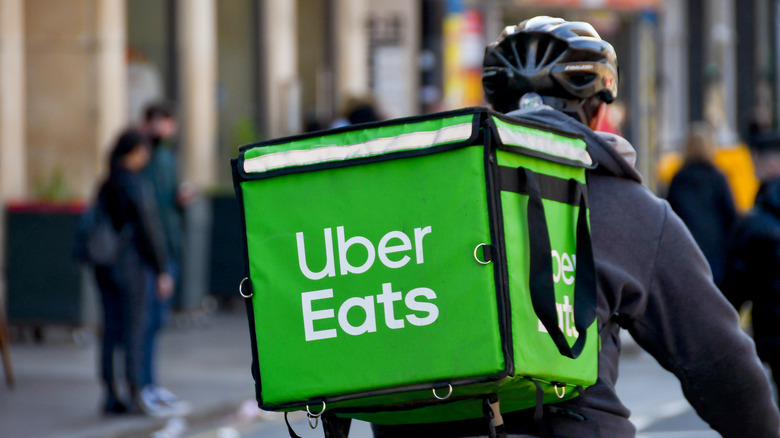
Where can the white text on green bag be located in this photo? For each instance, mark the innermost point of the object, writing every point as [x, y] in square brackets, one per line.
[383, 250]
[387, 298]
[564, 266]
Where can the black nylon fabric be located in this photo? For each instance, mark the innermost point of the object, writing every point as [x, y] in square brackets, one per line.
[541, 276]
[550, 187]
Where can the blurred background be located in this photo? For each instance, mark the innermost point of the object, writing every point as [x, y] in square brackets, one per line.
[73, 73]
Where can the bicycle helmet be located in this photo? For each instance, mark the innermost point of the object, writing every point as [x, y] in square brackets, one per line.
[566, 62]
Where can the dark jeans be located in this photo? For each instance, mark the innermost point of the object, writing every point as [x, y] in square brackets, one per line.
[122, 291]
[155, 317]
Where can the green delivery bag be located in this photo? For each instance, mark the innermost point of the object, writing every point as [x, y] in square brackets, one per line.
[405, 271]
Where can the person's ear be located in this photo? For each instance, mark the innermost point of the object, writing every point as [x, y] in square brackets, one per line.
[598, 118]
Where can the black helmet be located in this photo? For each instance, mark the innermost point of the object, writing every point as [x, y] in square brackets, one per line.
[552, 57]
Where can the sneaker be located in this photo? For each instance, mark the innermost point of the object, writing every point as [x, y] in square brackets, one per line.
[152, 406]
[178, 405]
[114, 406]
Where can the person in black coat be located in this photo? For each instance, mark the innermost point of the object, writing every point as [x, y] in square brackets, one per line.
[753, 269]
[129, 200]
[700, 195]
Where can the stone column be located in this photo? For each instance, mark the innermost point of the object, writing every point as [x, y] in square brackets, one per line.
[13, 166]
[75, 90]
[643, 106]
[13, 175]
[720, 100]
[351, 49]
[111, 69]
[197, 42]
[674, 79]
[280, 49]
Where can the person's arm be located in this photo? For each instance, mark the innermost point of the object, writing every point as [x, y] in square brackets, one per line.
[692, 331]
[152, 239]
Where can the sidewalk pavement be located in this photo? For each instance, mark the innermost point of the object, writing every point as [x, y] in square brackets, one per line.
[207, 362]
[58, 393]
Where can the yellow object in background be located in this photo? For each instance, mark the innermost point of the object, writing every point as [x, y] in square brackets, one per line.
[733, 161]
[668, 166]
[736, 164]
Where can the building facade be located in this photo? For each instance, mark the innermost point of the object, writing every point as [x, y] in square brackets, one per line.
[73, 73]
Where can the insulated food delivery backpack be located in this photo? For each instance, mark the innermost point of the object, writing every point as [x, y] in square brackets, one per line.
[419, 270]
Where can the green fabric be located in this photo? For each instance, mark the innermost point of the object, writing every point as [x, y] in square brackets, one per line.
[535, 353]
[537, 165]
[445, 192]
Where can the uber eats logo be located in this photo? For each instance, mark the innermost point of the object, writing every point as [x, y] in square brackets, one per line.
[395, 250]
[564, 266]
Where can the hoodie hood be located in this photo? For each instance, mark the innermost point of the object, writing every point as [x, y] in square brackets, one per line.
[614, 155]
[621, 145]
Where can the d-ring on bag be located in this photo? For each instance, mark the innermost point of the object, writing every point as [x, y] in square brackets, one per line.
[407, 271]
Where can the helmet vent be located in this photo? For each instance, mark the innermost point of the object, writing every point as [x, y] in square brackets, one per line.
[542, 48]
[519, 56]
[553, 48]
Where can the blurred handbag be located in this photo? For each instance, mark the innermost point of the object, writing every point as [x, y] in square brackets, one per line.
[97, 241]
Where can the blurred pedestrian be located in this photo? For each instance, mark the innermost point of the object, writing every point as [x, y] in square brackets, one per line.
[312, 123]
[160, 126]
[357, 110]
[753, 268]
[700, 194]
[129, 201]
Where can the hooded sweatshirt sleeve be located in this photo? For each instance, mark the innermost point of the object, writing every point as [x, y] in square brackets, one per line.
[655, 282]
[150, 230]
[684, 321]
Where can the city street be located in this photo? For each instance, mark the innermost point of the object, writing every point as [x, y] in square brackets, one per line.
[653, 395]
[208, 364]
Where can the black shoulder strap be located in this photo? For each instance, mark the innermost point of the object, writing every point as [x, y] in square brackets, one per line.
[289, 428]
[541, 275]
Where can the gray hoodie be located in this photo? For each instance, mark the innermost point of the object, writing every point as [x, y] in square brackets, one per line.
[654, 282]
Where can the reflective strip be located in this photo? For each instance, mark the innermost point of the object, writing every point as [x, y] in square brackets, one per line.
[377, 146]
[545, 145]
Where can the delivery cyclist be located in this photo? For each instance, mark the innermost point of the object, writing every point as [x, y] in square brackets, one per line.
[652, 278]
